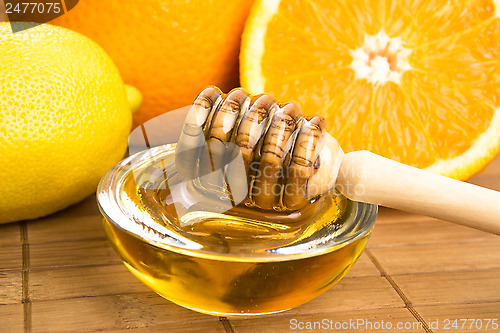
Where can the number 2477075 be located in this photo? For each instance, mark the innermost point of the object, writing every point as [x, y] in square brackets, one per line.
[33, 8]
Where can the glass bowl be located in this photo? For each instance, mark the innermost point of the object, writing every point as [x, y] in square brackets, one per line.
[206, 255]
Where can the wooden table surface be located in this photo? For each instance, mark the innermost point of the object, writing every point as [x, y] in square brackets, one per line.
[60, 274]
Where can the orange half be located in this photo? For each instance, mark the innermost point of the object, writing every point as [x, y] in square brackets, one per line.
[416, 81]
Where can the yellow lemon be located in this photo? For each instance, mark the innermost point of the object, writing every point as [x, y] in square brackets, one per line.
[64, 119]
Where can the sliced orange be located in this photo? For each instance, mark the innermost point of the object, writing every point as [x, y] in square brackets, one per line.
[417, 81]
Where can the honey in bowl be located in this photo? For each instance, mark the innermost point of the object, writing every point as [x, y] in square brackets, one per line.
[195, 248]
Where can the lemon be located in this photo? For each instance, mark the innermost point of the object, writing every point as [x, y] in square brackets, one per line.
[64, 119]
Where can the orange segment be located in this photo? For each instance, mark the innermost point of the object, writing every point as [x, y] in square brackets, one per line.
[413, 80]
[474, 64]
[321, 90]
[422, 21]
[307, 20]
[450, 115]
[329, 59]
[354, 100]
[317, 20]
[397, 126]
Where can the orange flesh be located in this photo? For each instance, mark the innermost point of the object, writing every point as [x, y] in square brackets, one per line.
[440, 106]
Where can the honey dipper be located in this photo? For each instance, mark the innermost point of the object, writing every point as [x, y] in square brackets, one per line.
[288, 159]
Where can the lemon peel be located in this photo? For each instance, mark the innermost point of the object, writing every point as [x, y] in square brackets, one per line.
[65, 119]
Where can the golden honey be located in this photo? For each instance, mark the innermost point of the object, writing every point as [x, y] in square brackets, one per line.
[201, 252]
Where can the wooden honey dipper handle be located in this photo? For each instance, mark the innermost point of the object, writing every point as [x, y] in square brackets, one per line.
[367, 177]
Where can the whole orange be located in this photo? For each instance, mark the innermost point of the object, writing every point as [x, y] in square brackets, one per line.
[170, 50]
